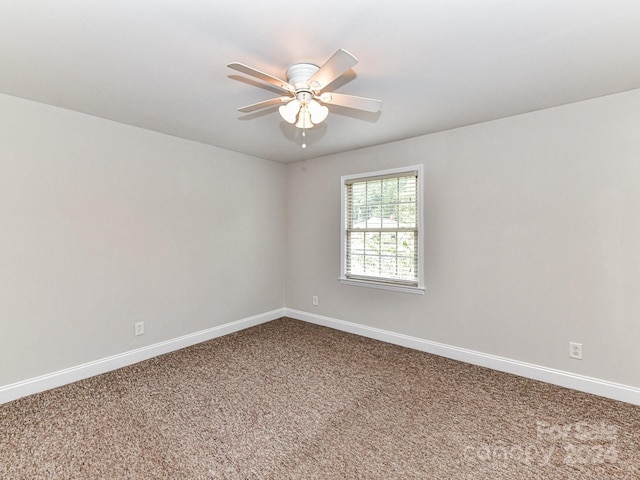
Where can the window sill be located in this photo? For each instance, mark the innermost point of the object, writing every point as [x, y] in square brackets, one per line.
[382, 286]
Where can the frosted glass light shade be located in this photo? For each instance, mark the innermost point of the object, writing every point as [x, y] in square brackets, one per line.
[318, 112]
[304, 119]
[290, 111]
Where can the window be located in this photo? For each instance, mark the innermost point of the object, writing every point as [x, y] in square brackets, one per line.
[381, 238]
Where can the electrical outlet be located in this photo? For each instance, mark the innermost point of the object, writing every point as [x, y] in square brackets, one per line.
[315, 300]
[575, 350]
[138, 328]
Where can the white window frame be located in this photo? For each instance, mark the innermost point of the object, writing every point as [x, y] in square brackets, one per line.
[419, 289]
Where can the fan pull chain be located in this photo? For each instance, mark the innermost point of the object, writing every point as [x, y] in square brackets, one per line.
[304, 135]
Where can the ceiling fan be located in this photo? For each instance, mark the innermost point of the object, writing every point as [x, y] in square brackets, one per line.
[305, 84]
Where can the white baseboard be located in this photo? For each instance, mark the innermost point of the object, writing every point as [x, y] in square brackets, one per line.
[69, 375]
[582, 383]
[574, 381]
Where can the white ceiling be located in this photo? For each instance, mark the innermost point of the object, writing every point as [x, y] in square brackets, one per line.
[435, 64]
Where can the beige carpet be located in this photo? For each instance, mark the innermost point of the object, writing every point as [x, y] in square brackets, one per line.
[290, 400]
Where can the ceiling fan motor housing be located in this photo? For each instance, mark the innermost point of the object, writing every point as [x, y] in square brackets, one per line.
[299, 74]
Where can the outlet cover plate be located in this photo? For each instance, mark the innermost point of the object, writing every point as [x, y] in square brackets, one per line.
[138, 328]
[575, 350]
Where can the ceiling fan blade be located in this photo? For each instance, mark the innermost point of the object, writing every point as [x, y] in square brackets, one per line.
[278, 82]
[339, 63]
[360, 103]
[267, 103]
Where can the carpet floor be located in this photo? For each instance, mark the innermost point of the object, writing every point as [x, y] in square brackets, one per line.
[291, 400]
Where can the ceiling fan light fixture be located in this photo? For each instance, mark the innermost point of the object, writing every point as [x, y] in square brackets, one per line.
[289, 112]
[304, 119]
[318, 112]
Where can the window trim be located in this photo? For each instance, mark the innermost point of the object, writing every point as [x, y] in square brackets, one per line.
[419, 289]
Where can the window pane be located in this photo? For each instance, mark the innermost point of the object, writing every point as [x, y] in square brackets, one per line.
[407, 215]
[374, 192]
[407, 189]
[375, 221]
[372, 243]
[357, 265]
[358, 208]
[389, 243]
[406, 243]
[372, 265]
[389, 200]
[407, 206]
[389, 267]
[406, 267]
[356, 243]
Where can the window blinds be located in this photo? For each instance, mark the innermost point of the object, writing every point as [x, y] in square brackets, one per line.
[382, 228]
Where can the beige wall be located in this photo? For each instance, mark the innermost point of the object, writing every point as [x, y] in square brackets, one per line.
[531, 238]
[531, 231]
[104, 225]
